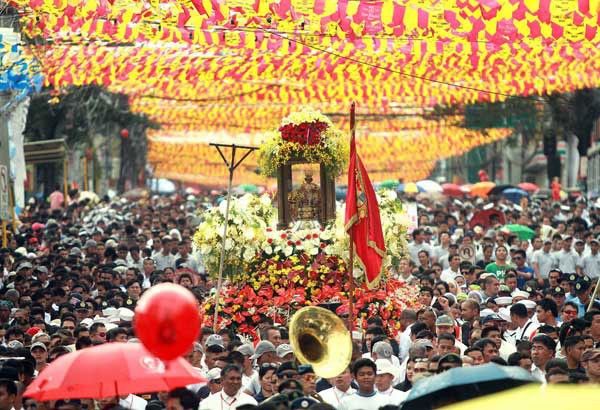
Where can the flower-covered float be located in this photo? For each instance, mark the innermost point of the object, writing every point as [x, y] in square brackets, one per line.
[273, 272]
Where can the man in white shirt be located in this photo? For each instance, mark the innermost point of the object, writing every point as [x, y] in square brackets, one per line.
[407, 318]
[265, 352]
[164, 258]
[133, 402]
[566, 258]
[543, 261]
[591, 264]
[382, 350]
[386, 374]
[341, 389]
[148, 266]
[453, 269]
[231, 396]
[520, 318]
[440, 252]
[248, 370]
[417, 245]
[542, 351]
[366, 398]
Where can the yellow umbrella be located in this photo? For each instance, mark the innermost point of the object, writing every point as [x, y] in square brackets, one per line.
[411, 188]
[563, 397]
[481, 189]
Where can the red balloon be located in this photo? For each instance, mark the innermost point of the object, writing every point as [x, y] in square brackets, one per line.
[124, 133]
[167, 320]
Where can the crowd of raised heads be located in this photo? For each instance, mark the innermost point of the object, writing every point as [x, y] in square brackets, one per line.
[71, 278]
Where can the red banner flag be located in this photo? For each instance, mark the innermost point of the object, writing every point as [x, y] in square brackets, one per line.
[362, 217]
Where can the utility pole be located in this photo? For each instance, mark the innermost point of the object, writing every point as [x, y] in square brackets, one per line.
[5, 206]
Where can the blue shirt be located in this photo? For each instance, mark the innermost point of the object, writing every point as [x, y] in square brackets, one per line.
[582, 308]
[521, 282]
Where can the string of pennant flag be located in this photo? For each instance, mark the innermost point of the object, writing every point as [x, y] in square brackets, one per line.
[234, 67]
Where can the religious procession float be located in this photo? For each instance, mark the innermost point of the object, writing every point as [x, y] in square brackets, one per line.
[280, 259]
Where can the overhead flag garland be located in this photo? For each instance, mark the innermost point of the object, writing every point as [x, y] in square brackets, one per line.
[235, 67]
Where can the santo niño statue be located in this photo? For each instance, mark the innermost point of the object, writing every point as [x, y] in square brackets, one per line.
[305, 202]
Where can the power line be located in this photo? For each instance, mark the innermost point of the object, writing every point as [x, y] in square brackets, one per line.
[379, 67]
[242, 94]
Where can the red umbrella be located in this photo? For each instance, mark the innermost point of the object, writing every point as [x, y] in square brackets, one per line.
[484, 218]
[453, 190]
[529, 187]
[110, 370]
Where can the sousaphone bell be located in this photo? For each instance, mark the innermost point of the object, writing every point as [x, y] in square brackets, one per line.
[320, 338]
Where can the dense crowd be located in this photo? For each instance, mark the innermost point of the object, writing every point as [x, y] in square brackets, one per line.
[71, 278]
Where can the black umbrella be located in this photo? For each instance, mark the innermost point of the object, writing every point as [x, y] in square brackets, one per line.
[464, 383]
[497, 190]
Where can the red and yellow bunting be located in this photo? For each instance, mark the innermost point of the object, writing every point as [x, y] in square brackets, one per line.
[494, 21]
[410, 155]
[231, 67]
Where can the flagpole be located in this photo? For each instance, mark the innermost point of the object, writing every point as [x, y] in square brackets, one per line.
[351, 317]
[231, 166]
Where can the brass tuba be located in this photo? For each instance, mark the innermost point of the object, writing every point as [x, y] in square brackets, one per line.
[320, 338]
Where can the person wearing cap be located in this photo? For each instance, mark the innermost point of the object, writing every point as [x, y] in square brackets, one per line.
[366, 397]
[582, 289]
[285, 353]
[342, 387]
[213, 376]
[519, 295]
[590, 360]
[384, 382]
[557, 294]
[264, 352]
[231, 396]
[39, 351]
[248, 372]
[215, 355]
[444, 324]
[41, 273]
[308, 378]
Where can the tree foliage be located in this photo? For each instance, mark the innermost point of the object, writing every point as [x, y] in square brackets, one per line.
[575, 113]
[92, 116]
[79, 113]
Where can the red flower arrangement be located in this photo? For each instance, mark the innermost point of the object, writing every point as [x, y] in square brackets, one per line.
[307, 133]
[277, 288]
